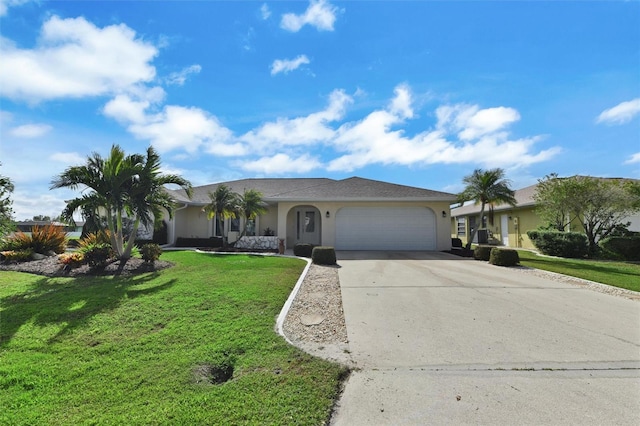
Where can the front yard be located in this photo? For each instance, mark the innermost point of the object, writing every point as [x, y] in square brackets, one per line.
[155, 348]
[618, 274]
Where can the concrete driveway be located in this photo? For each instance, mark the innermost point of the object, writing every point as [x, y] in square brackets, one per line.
[439, 339]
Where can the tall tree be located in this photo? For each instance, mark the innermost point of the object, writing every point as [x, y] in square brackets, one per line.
[6, 212]
[224, 204]
[251, 205]
[120, 186]
[486, 187]
[551, 198]
[599, 205]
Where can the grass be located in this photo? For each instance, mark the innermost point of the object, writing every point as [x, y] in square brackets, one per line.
[618, 274]
[99, 350]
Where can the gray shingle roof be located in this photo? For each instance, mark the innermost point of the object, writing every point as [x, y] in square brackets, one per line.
[523, 196]
[318, 189]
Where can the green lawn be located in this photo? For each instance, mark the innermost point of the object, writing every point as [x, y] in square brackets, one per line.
[618, 274]
[130, 350]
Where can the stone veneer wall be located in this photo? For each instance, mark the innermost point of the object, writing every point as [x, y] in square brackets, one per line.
[261, 243]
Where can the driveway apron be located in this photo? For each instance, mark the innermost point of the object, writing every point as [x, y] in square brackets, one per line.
[439, 339]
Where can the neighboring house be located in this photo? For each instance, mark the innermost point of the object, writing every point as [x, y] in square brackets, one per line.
[348, 214]
[26, 225]
[510, 224]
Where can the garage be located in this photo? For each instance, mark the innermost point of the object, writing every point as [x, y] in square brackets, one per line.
[385, 228]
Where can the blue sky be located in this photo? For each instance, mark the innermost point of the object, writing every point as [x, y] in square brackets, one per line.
[417, 93]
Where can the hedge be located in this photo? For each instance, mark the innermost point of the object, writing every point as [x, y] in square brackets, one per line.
[213, 242]
[303, 250]
[323, 255]
[626, 248]
[482, 253]
[504, 257]
[562, 244]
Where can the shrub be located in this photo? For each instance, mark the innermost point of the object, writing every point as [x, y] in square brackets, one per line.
[323, 255]
[269, 232]
[504, 257]
[213, 242]
[72, 260]
[22, 255]
[17, 241]
[303, 250]
[48, 238]
[626, 248]
[161, 234]
[456, 243]
[150, 252]
[482, 253]
[97, 255]
[563, 244]
[90, 240]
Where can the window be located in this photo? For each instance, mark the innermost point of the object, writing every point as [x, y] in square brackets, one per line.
[235, 224]
[461, 226]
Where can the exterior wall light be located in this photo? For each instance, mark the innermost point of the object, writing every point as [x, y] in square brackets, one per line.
[444, 214]
[328, 214]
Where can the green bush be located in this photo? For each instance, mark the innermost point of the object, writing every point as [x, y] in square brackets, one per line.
[150, 252]
[482, 253]
[626, 248]
[303, 250]
[97, 255]
[562, 244]
[323, 255]
[22, 255]
[504, 257]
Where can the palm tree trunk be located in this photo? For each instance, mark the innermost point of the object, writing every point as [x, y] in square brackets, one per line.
[131, 241]
[475, 230]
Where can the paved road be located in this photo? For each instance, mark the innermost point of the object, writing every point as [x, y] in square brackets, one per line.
[444, 340]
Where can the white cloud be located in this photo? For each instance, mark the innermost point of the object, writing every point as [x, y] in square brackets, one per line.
[68, 158]
[373, 140]
[287, 65]
[621, 113]
[401, 104]
[320, 14]
[633, 159]
[471, 122]
[265, 12]
[311, 129]
[30, 131]
[5, 4]
[180, 77]
[174, 127]
[74, 58]
[282, 164]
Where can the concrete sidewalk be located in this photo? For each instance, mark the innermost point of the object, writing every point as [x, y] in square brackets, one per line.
[444, 340]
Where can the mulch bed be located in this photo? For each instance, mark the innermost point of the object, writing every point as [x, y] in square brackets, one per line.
[52, 267]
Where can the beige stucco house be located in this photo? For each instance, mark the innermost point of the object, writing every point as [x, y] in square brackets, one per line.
[348, 214]
[510, 224]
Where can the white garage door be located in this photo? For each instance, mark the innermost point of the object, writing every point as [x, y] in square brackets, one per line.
[385, 228]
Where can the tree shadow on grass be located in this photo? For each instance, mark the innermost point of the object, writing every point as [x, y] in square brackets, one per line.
[70, 302]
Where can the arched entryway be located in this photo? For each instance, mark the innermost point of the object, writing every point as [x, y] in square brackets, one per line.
[304, 225]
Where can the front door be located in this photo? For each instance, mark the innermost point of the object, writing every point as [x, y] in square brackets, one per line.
[308, 226]
[504, 229]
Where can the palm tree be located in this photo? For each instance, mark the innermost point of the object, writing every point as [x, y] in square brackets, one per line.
[251, 206]
[224, 204]
[486, 187]
[120, 186]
